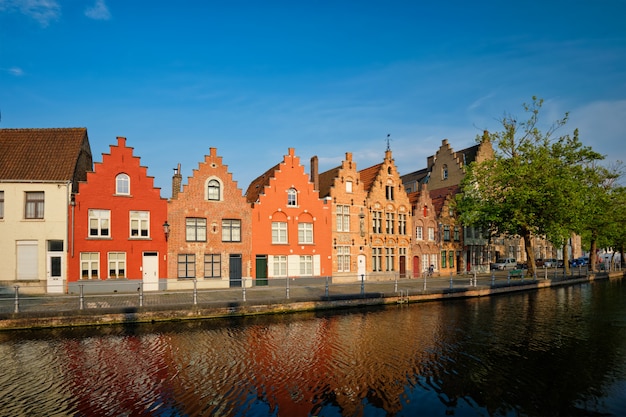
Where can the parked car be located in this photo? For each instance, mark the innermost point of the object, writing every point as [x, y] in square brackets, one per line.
[550, 263]
[539, 262]
[505, 263]
[583, 260]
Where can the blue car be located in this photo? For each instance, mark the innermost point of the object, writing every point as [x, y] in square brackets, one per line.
[582, 261]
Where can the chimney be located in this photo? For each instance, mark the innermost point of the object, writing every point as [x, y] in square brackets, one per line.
[315, 176]
[177, 181]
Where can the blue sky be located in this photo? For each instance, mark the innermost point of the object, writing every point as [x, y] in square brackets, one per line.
[254, 78]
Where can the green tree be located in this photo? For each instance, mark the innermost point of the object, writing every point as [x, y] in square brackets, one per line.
[532, 187]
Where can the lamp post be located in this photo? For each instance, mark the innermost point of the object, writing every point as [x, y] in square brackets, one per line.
[166, 229]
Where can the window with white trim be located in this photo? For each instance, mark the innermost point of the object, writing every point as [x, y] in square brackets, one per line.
[305, 233]
[389, 223]
[419, 233]
[140, 224]
[117, 264]
[401, 224]
[431, 233]
[122, 184]
[306, 265]
[279, 265]
[89, 265]
[214, 190]
[279, 232]
[390, 259]
[348, 186]
[292, 197]
[343, 218]
[377, 219]
[377, 258]
[99, 223]
[343, 258]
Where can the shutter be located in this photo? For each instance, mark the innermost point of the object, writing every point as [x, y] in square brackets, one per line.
[27, 265]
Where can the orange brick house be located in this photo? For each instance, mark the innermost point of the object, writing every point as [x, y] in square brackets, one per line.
[424, 244]
[291, 224]
[210, 229]
[116, 226]
[388, 214]
[342, 186]
[450, 236]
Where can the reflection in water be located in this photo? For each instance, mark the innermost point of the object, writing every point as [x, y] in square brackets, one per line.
[552, 352]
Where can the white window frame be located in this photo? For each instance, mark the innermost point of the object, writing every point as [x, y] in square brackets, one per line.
[213, 186]
[390, 259]
[292, 197]
[279, 265]
[419, 232]
[279, 233]
[343, 259]
[122, 184]
[90, 262]
[431, 234]
[390, 223]
[139, 224]
[117, 262]
[305, 233]
[343, 218]
[349, 187]
[306, 265]
[401, 224]
[99, 222]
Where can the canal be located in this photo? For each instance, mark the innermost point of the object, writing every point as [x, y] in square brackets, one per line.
[552, 352]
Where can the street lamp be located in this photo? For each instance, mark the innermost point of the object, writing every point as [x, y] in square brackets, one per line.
[166, 229]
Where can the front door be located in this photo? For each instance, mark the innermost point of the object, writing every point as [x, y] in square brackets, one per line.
[403, 267]
[416, 267]
[261, 270]
[150, 268]
[234, 270]
[361, 267]
[55, 273]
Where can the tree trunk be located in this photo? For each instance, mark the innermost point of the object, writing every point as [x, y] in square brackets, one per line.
[530, 252]
[566, 257]
[592, 251]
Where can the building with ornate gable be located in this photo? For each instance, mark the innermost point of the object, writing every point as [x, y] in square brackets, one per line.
[210, 229]
[291, 224]
[425, 248]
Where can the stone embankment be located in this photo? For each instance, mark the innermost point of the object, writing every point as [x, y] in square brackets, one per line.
[108, 309]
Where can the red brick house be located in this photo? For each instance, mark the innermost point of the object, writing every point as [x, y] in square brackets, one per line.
[210, 229]
[342, 187]
[117, 239]
[291, 224]
[424, 243]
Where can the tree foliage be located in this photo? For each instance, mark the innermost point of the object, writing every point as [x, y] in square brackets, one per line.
[535, 184]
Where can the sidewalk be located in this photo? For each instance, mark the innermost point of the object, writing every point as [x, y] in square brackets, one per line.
[97, 309]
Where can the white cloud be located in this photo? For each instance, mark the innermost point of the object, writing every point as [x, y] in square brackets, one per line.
[99, 11]
[18, 72]
[43, 11]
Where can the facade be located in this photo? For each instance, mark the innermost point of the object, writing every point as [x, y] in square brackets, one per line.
[116, 226]
[210, 239]
[39, 171]
[450, 231]
[291, 224]
[343, 189]
[425, 248]
[388, 220]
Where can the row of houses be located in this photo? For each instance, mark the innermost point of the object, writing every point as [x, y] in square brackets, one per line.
[65, 220]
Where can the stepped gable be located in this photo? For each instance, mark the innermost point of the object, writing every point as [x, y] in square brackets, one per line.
[42, 154]
[255, 189]
[327, 180]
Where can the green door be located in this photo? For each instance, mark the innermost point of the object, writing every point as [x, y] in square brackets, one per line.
[261, 270]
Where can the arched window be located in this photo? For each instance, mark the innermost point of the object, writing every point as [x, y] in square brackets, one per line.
[122, 184]
[292, 197]
[213, 190]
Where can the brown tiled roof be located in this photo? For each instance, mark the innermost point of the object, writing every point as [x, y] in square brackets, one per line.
[368, 175]
[40, 154]
[440, 195]
[258, 184]
[326, 181]
[467, 155]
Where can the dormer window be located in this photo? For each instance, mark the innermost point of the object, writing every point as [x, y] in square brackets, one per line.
[292, 197]
[122, 184]
[213, 190]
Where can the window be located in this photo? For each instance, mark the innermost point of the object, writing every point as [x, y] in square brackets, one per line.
[279, 232]
[279, 265]
[212, 265]
[431, 233]
[213, 190]
[425, 211]
[1, 204]
[139, 224]
[451, 259]
[306, 265]
[186, 265]
[343, 218]
[305, 233]
[390, 258]
[377, 254]
[348, 186]
[343, 258]
[292, 197]
[457, 233]
[446, 232]
[122, 184]
[117, 265]
[195, 229]
[34, 205]
[402, 224]
[419, 233]
[89, 265]
[389, 192]
[99, 223]
[443, 258]
[231, 230]
[444, 172]
[389, 223]
[377, 219]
